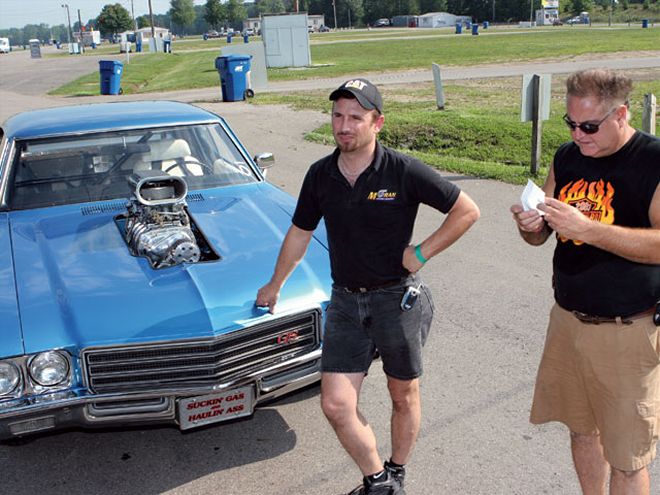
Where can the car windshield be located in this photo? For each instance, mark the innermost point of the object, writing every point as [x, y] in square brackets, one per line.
[84, 168]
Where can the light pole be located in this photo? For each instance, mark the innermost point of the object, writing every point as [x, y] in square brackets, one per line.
[133, 14]
[334, 9]
[151, 18]
[80, 27]
[68, 16]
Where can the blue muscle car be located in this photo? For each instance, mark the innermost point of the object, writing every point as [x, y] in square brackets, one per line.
[134, 237]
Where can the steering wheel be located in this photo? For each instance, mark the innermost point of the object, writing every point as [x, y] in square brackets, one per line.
[183, 165]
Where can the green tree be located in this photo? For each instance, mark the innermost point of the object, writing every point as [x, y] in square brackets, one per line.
[270, 6]
[143, 21]
[581, 6]
[214, 13]
[113, 19]
[236, 13]
[432, 6]
[182, 12]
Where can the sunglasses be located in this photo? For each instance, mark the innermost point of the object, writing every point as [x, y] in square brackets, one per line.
[586, 127]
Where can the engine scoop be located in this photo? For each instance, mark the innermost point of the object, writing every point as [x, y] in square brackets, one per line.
[157, 225]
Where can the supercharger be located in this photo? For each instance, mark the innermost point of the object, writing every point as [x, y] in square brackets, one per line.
[157, 226]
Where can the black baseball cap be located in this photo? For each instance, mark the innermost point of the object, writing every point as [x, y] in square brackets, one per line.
[366, 94]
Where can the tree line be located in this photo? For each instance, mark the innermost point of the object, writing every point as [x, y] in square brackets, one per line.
[185, 18]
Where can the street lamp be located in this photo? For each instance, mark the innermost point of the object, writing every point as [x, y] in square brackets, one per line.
[68, 16]
[334, 8]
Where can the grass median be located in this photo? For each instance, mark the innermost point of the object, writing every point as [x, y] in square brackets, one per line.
[479, 133]
[195, 68]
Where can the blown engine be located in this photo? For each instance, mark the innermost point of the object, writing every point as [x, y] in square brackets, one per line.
[157, 225]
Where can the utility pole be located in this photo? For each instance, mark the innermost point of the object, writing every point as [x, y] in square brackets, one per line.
[82, 49]
[133, 14]
[334, 9]
[151, 17]
[68, 17]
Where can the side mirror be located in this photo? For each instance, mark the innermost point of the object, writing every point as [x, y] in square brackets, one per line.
[264, 161]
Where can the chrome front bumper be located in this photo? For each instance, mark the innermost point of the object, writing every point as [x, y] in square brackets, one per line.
[80, 408]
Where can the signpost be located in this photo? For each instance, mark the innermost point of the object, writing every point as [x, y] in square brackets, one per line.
[439, 93]
[535, 106]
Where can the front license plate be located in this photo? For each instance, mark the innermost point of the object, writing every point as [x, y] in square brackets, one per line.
[216, 407]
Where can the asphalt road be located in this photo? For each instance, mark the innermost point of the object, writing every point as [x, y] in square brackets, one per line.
[492, 295]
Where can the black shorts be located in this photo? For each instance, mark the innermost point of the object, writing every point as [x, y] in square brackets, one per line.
[359, 323]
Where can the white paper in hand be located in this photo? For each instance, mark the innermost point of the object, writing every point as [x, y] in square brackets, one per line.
[531, 196]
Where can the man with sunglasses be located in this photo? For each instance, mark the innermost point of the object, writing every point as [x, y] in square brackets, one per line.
[600, 371]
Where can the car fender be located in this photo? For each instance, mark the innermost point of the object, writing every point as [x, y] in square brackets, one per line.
[10, 328]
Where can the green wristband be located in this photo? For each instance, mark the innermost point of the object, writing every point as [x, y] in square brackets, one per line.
[420, 256]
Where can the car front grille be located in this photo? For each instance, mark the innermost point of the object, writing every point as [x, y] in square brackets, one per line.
[206, 361]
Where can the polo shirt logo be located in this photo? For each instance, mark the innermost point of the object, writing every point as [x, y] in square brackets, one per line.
[381, 195]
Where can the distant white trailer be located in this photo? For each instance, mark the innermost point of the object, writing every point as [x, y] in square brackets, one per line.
[5, 47]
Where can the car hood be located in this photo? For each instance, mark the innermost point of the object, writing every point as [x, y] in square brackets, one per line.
[79, 286]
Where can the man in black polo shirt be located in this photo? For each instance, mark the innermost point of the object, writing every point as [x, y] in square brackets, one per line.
[369, 196]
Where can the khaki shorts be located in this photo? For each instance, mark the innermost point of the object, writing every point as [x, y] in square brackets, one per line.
[603, 379]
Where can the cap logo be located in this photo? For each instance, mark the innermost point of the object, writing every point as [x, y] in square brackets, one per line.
[356, 84]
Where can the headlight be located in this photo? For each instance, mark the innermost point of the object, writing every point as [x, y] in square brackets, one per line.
[49, 368]
[9, 378]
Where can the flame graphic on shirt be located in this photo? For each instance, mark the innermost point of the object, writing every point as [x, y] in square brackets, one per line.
[593, 199]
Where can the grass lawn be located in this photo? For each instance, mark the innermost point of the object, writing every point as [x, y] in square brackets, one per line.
[479, 133]
[192, 67]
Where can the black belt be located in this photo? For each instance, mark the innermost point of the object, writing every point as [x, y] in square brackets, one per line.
[597, 320]
[359, 290]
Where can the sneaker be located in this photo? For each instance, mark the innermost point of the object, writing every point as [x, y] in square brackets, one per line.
[388, 486]
[397, 472]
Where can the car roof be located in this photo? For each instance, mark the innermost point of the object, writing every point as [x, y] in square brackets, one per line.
[101, 117]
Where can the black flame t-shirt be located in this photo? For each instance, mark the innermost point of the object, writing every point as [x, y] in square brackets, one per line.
[615, 190]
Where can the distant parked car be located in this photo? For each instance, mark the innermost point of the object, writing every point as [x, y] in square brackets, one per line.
[324, 29]
[134, 237]
[212, 34]
[248, 32]
[557, 22]
[382, 23]
[574, 20]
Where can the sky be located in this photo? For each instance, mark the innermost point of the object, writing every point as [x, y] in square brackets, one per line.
[18, 13]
